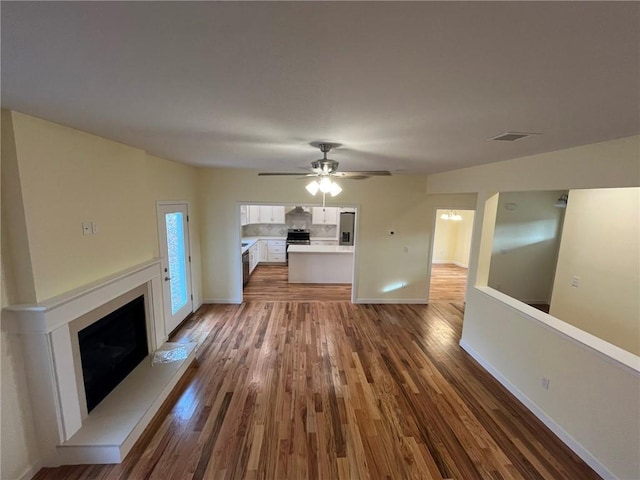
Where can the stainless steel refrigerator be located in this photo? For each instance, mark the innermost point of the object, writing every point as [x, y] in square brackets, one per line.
[347, 224]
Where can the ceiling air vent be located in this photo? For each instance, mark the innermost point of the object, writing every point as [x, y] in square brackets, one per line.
[512, 136]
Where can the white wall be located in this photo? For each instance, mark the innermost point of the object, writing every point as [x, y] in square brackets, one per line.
[53, 179]
[594, 399]
[525, 245]
[600, 246]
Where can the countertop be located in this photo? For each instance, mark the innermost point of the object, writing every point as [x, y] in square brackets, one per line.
[320, 249]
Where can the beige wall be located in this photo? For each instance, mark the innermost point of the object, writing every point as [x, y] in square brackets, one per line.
[393, 203]
[601, 245]
[525, 245]
[453, 239]
[593, 402]
[463, 241]
[59, 177]
[444, 239]
[613, 163]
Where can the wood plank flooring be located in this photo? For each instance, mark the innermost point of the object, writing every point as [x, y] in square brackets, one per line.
[448, 283]
[334, 390]
[270, 282]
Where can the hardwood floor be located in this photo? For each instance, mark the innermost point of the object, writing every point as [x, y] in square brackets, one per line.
[448, 283]
[270, 283]
[334, 390]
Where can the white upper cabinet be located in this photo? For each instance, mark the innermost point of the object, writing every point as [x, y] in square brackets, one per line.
[325, 216]
[244, 214]
[266, 214]
[254, 214]
[275, 214]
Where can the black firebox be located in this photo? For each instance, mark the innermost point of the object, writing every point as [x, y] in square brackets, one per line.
[111, 348]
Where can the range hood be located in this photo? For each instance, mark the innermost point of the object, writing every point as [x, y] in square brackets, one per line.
[298, 211]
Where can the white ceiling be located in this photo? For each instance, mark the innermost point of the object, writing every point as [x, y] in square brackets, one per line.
[415, 87]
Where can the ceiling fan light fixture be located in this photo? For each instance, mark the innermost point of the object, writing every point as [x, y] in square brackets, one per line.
[325, 184]
[313, 187]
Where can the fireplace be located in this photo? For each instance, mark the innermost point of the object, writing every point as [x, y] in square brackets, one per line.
[111, 348]
[51, 332]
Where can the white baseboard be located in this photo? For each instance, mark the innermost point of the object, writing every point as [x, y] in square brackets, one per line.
[398, 301]
[561, 433]
[236, 301]
[30, 471]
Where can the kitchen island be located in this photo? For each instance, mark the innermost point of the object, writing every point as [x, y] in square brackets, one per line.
[320, 264]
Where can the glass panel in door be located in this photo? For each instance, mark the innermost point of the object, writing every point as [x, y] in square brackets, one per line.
[177, 261]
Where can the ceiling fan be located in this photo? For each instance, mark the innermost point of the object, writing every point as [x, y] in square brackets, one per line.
[325, 167]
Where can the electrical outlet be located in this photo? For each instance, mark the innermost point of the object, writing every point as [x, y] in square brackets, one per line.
[545, 383]
[94, 227]
[406, 249]
[392, 232]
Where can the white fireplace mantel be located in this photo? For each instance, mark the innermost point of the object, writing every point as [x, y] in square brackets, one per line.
[48, 341]
[46, 316]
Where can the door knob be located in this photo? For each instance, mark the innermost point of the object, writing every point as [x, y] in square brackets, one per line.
[166, 279]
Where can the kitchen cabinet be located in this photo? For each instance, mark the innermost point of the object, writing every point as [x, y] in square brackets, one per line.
[254, 257]
[266, 214]
[244, 214]
[276, 250]
[277, 214]
[263, 254]
[325, 216]
[253, 214]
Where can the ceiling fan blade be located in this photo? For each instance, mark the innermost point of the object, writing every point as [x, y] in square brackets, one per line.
[275, 174]
[370, 173]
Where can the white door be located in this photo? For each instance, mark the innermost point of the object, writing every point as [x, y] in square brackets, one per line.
[173, 226]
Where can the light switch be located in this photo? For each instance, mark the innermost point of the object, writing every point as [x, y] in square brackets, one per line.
[575, 282]
[86, 228]
[94, 227]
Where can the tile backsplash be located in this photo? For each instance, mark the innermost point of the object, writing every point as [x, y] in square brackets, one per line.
[265, 230]
[280, 230]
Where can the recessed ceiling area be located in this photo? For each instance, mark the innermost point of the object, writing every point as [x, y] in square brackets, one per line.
[417, 87]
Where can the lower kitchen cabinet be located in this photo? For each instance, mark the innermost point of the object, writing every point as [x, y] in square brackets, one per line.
[254, 257]
[263, 254]
[276, 250]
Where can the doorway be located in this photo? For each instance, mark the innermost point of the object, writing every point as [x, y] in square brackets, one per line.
[450, 255]
[173, 232]
[265, 239]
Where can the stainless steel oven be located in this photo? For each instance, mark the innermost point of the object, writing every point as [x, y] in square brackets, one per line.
[297, 236]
